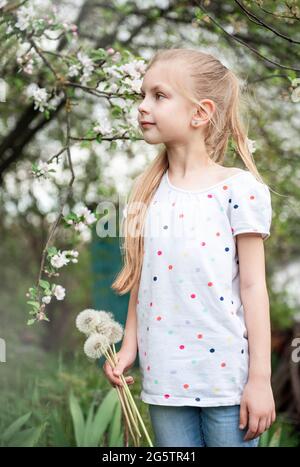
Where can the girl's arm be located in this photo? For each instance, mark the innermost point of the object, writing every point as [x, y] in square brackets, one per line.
[130, 334]
[257, 405]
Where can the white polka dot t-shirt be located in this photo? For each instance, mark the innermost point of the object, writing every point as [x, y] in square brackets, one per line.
[192, 338]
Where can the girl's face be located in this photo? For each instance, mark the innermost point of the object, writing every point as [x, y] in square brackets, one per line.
[164, 106]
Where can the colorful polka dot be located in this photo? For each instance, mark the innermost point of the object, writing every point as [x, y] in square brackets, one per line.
[159, 252]
[166, 396]
[170, 267]
[181, 347]
[200, 336]
[158, 318]
[197, 399]
[210, 284]
[193, 295]
[186, 386]
[212, 350]
[223, 364]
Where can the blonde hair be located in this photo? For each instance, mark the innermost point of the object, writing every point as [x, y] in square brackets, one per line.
[211, 80]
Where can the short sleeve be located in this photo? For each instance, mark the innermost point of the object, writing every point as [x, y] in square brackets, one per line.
[250, 207]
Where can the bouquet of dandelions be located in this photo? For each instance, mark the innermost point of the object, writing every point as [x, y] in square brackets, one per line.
[103, 333]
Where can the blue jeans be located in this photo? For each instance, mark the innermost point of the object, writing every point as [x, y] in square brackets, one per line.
[198, 426]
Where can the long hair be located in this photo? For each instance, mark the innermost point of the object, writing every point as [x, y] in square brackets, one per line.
[210, 80]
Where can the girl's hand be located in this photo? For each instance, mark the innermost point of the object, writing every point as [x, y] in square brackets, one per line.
[126, 359]
[257, 409]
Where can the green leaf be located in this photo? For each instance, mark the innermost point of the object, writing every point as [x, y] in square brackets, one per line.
[15, 426]
[30, 322]
[88, 428]
[275, 440]
[103, 416]
[58, 435]
[78, 419]
[35, 305]
[52, 250]
[27, 438]
[44, 284]
[115, 428]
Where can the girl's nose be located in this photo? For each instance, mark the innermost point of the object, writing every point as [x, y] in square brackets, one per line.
[142, 107]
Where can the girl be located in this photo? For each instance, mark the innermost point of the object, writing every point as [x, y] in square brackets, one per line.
[194, 262]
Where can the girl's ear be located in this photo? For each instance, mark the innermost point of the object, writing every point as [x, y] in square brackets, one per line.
[202, 116]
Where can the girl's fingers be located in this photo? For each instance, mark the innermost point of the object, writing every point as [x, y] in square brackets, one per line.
[261, 426]
[129, 380]
[243, 415]
[252, 427]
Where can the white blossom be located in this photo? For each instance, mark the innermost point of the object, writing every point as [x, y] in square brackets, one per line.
[59, 292]
[3, 3]
[59, 260]
[104, 127]
[134, 69]
[134, 84]
[39, 96]
[25, 14]
[88, 66]
[89, 217]
[80, 227]
[46, 299]
[251, 145]
[295, 96]
[73, 70]
[43, 169]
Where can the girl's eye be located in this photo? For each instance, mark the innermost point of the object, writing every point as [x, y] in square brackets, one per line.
[142, 96]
